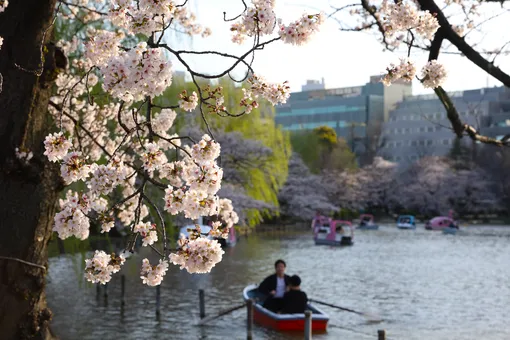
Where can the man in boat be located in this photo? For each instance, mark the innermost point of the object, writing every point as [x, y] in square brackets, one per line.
[295, 301]
[274, 287]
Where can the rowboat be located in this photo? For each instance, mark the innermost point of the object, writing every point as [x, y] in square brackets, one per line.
[366, 222]
[406, 222]
[440, 223]
[283, 322]
[335, 233]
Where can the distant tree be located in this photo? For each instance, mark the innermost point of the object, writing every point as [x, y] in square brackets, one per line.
[303, 193]
[379, 184]
[470, 191]
[462, 153]
[306, 143]
[327, 136]
[346, 188]
[321, 150]
[496, 162]
[433, 185]
[420, 187]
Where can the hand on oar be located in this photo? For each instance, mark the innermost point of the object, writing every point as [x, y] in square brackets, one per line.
[370, 317]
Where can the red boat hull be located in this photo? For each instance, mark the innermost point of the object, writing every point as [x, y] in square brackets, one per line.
[287, 325]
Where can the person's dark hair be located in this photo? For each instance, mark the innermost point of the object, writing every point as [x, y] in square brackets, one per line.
[278, 262]
[295, 281]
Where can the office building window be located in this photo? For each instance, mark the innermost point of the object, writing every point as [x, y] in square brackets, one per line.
[414, 143]
[446, 142]
[397, 158]
[399, 144]
[423, 129]
[422, 143]
[438, 128]
[430, 129]
[429, 142]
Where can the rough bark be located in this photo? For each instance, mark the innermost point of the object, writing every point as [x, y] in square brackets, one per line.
[28, 192]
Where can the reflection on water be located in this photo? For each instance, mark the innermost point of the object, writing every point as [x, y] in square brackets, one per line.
[424, 284]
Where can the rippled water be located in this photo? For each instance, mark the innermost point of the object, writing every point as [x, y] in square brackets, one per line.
[425, 285]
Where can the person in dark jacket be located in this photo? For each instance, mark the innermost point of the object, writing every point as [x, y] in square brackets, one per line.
[295, 301]
[274, 287]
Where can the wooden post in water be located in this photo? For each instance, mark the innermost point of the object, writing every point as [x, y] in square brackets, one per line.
[249, 323]
[308, 325]
[201, 303]
[106, 291]
[122, 289]
[158, 298]
[381, 334]
[98, 290]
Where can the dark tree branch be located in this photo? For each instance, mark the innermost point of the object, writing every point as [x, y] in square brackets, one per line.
[462, 45]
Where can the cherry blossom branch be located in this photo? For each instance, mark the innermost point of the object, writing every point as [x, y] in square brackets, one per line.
[451, 111]
[237, 17]
[462, 45]
[163, 227]
[82, 7]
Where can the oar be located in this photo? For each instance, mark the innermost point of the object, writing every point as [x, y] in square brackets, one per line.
[226, 311]
[368, 316]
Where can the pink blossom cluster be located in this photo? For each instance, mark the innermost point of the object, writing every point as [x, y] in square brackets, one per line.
[227, 213]
[401, 16]
[274, 93]
[433, 74]
[163, 121]
[137, 73]
[24, 155]
[201, 177]
[99, 269]
[300, 31]
[247, 102]
[105, 177]
[74, 167]
[56, 146]
[405, 71]
[153, 275]
[3, 5]
[72, 219]
[102, 46]
[173, 172]
[257, 20]
[188, 102]
[153, 158]
[198, 256]
[149, 16]
[148, 232]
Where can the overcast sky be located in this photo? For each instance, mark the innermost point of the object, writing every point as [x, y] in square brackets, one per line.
[342, 58]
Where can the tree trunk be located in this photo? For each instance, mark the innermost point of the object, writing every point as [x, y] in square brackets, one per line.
[28, 191]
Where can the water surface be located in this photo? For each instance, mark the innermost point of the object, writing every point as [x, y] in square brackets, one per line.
[425, 285]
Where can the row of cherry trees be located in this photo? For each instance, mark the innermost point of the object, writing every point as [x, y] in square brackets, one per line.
[431, 186]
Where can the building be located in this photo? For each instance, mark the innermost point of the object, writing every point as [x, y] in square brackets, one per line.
[419, 127]
[356, 113]
[497, 124]
[313, 85]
